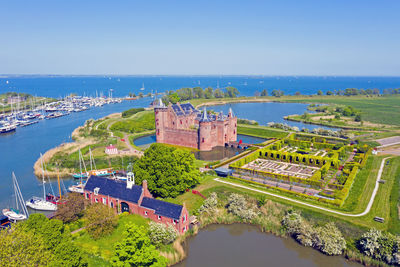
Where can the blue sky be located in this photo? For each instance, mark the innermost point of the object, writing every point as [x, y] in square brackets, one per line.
[200, 37]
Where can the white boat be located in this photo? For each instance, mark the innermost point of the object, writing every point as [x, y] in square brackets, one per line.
[38, 203]
[76, 188]
[16, 214]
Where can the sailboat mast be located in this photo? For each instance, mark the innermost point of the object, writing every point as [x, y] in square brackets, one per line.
[59, 186]
[44, 190]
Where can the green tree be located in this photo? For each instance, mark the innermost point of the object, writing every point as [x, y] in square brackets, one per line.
[358, 118]
[169, 171]
[277, 93]
[23, 248]
[174, 98]
[55, 239]
[329, 93]
[208, 93]
[264, 92]
[231, 91]
[136, 249]
[218, 93]
[320, 92]
[100, 220]
[198, 92]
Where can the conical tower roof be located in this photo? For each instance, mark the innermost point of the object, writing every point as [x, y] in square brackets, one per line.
[204, 116]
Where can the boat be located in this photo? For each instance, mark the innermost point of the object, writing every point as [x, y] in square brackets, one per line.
[4, 222]
[78, 188]
[15, 214]
[93, 169]
[142, 89]
[38, 203]
[58, 200]
[7, 129]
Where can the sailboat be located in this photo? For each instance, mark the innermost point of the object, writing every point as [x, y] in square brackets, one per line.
[17, 214]
[93, 171]
[52, 197]
[142, 89]
[78, 188]
[38, 203]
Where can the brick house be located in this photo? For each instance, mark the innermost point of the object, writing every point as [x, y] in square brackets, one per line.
[183, 125]
[125, 196]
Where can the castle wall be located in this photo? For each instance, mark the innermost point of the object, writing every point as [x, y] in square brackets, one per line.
[180, 137]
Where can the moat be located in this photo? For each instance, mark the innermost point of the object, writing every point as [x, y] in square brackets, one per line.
[244, 245]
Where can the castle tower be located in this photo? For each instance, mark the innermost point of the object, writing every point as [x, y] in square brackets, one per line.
[232, 129]
[205, 132]
[160, 112]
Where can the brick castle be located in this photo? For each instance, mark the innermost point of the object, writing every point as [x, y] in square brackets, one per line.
[183, 125]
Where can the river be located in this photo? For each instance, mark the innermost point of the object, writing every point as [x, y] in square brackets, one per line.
[244, 245]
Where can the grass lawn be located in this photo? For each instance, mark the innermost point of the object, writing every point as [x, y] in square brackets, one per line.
[383, 109]
[261, 131]
[103, 248]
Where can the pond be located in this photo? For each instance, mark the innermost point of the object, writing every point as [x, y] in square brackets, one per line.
[244, 245]
[216, 153]
[268, 112]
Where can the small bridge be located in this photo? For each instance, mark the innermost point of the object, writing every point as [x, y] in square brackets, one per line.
[239, 145]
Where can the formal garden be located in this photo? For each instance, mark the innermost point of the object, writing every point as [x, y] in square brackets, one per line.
[324, 167]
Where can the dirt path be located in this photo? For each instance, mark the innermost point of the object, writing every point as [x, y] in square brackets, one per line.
[365, 212]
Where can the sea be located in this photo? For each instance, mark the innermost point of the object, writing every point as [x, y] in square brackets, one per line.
[59, 86]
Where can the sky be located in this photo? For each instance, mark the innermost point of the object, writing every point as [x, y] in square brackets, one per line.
[171, 37]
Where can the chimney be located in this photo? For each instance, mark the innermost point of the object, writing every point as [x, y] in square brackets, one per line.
[144, 185]
[130, 180]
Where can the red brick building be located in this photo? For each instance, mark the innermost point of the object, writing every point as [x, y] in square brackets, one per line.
[125, 196]
[183, 125]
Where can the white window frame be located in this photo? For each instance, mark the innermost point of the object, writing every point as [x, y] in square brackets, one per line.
[104, 200]
[159, 217]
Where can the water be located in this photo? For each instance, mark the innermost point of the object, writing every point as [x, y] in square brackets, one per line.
[19, 151]
[268, 112]
[243, 245]
[57, 86]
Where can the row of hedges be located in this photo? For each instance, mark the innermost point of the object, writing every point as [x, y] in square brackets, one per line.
[335, 202]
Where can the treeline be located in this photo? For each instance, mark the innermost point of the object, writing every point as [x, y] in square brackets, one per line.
[189, 93]
[345, 92]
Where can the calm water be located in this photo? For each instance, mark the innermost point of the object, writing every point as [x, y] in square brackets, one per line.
[57, 86]
[267, 112]
[20, 150]
[243, 245]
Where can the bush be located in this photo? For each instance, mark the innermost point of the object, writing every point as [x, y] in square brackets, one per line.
[210, 204]
[238, 205]
[161, 234]
[101, 220]
[329, 240]
[130, 112]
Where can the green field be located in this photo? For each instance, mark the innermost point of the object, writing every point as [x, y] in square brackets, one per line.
[377, 109]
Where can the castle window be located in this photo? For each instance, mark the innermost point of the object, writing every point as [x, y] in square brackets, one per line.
[104, 200]
[234, 131]
[202, 140]
[158, 132]
[157, 123]
[145, 212]
[112, 204]
[96, 200]
[159, 217]
[181, 121]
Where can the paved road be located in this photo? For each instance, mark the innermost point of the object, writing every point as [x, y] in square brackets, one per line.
[365, 212]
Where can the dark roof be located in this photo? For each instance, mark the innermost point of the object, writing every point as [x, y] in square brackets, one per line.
[114, 188]
[183, 109]
[162, 208]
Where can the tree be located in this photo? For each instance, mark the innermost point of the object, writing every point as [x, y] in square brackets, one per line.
[136, 249]
[208, 93]
[231, 91]
[72, 209]
[358, 118]
[218, 93]
[264, 92]
[55, 239]
[329, 93]
[198, 92]
[23, 248]
[169, 171]
[101, 220]
[320, 92]
[277, 93]
[174, 98]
